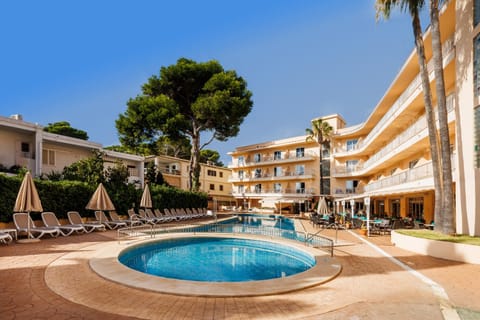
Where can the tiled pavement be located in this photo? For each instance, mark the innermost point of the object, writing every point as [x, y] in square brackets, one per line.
[369, 287]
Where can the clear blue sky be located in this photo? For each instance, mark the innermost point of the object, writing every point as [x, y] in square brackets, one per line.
[80, 61]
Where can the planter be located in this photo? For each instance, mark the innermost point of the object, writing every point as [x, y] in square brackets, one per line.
[363, 232]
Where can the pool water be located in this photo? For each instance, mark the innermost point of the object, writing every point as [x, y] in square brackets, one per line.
[216, 259]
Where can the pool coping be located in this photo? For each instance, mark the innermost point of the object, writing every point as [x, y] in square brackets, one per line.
[105, 263]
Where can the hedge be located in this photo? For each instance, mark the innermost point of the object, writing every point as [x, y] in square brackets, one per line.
[63, 196]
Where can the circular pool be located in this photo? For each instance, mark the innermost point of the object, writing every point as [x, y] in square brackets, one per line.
[216, 259]
[106, 263]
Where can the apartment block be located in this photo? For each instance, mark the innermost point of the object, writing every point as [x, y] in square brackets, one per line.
[213, 179]
[26, 145]
[385, 161]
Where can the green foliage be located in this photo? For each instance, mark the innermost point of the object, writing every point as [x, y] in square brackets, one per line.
[117, 175]
[63, 196]
[90, 170]
[211, 156]
[153, 176]
[63, 128]
[188, 98]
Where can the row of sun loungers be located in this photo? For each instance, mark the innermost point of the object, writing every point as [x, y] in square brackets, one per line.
[54, 228]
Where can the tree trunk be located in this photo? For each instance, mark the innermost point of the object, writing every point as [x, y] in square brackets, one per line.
[321, 167]
[432, 130]
[447, 205]
[194, 172]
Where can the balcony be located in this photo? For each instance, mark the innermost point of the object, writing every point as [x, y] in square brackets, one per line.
[413, 134]
[284, 193]
[403, 101]
[270, 160]
[270, 177]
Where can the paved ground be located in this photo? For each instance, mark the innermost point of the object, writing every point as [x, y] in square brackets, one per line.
[370, 286]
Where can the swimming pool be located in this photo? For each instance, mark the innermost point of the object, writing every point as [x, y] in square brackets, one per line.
[216, 259]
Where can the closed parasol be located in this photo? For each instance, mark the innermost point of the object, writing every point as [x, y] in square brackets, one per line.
[28, 201]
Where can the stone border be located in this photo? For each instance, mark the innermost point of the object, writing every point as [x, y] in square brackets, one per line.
[439, 249]
[105, 263]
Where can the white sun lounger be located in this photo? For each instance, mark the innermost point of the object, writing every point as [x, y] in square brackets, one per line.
[21, 219]
[75, 218]
[50, 220]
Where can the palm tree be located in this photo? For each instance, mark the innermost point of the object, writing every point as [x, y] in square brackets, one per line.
[320, 132]
[447, 205]
[383, 8]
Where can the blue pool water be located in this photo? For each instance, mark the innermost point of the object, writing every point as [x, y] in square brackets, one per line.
[216, 259]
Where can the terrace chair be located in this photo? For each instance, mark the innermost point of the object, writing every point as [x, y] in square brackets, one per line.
[144, 218]
[75, 218]
[5, 237]
[50, 220]
[110, 224]
[22, 220]
[172, 214]
[115, 217]
[163, 217]
[133, 218]
[385, 226]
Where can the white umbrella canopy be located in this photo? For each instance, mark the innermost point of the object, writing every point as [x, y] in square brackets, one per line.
[146, 201]
[28, 201]
[100, 200]
[322, 206]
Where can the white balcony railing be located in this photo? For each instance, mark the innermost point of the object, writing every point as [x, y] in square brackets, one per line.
[269, 159]
[270, 176]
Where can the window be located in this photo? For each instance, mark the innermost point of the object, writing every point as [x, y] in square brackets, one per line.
[477, 136]
[395, 208]
[350, 186]
[412, 164]
[277, 171]
[300, 187]
[241, 174]
[300, 152]
[476, 65]
[212, 173]
[212, 186]
[221, 187]
[258, 188]
[257, 157]
[476, 12]
[277, 155]
[48, 157]
[351, 144]
[415, 208]
[277, 187]
[241, 161]
[258, 173]
[241, 188]
[25, 147]
[351, 165]
[220, 174]
[299, 170]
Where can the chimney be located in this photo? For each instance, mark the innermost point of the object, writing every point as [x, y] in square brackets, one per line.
[16, 117]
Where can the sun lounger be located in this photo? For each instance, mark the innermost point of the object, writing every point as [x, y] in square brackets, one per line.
[5, 237]
[115, 217]
[21, 219]
[50, 220]
[144, 218]
[110, 224]
[75, 218]
[153, 216]
[164, 217]
[134, 218]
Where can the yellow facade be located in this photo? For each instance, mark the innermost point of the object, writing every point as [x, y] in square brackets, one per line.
[213, 179]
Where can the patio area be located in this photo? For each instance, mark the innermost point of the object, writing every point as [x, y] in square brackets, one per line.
[370, 286]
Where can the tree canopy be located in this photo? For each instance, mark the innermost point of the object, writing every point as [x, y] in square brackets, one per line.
[64, 128]
[184, 101]
[210, 156]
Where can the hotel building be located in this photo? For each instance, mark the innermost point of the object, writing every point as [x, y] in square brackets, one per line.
[386, 159]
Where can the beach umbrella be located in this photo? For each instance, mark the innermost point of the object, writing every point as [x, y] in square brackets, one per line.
[100, 201]
[28, 200]
[146, 201]
[322, 207]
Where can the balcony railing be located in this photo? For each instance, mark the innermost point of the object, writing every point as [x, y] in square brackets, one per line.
[395, 145]
[273, 192]
[170, 171]
[413, 87]
[272, 177]
[265, 160]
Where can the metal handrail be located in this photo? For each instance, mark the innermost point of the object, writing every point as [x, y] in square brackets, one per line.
[313, 240]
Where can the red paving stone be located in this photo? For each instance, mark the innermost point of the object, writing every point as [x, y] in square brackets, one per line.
[369, 287]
